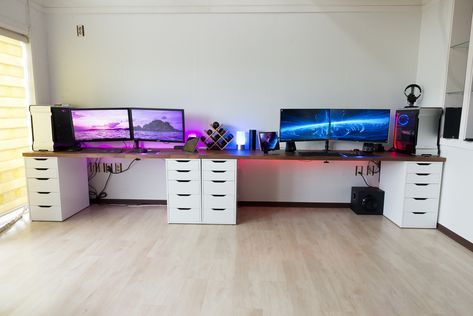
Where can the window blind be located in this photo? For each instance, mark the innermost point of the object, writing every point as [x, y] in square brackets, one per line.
[14, 124]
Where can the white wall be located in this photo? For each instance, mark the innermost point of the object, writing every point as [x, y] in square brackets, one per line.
[14, 16]
[433, 51]
[456, 209]
[239, 69]
[39, 54]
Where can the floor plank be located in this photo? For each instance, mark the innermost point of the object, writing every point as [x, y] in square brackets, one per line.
[120, 260]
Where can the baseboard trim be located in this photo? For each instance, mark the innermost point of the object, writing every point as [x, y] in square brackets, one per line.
[293, 204]
[129, 201]
[459, 239]
[240, 203]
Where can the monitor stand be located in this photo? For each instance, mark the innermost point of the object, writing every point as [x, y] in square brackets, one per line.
[290, 147]
[137, 148]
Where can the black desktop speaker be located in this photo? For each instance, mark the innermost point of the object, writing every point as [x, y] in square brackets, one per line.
[63, 131]
[252, 138]
[367, 200]
[451, 123]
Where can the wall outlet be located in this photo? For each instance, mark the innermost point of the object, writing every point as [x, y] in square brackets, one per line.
[370, 170]
[80, 29]
[95, 167]
[359, 170]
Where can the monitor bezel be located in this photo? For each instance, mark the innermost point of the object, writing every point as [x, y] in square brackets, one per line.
[156, 140]
[303, 140]
[358, 140]
[101, 139]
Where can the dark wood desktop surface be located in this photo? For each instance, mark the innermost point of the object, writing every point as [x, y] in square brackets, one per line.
[232, 154]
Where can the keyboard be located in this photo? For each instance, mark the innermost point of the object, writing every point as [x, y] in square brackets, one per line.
[102, 150]
[318, 154]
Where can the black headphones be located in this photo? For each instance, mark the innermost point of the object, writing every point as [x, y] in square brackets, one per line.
[412, 97]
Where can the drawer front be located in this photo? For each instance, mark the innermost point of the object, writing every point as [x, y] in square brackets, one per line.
[424, 167]
[184, 200]
[184, 215]
[430, 190]
[193, 174]
[183, 164]
[219, 216]
[424, 178]
[218, 175]
[183, 187]
[218, 201]
[42, 173]
[419, 220]
[44, 198]
[43, 185]
[45, 213]
[219, 187]
[31, 163]
[421, 205]
[219, 164]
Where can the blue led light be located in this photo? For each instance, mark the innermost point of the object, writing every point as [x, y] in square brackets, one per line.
[403, 119]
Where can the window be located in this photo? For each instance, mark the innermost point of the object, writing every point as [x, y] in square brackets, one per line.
[14, 124]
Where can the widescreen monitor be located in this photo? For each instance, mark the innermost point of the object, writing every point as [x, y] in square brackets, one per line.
[364, 125]
[304, 124]
[164, 125]
[101, 124]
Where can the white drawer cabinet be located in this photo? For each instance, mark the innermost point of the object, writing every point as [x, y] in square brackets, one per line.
[184, 187]
[412, 192]
[219, 191]
[201, 191]
[57, 187]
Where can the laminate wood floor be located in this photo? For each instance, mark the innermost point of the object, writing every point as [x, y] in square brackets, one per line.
[118, 260]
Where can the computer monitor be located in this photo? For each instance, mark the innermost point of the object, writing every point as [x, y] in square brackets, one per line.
[364, 125]
[164, 125]
[101, 124]
[304, 125]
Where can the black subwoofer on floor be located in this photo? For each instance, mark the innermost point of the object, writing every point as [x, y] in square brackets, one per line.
[367, 200]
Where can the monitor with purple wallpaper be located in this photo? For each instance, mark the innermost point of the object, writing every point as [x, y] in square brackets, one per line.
[162, 125]
[101, 124]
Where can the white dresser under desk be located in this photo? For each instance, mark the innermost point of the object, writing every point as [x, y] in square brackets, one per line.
[201, 191]
[183, 177]
[219, 187]
[412, 192]
[57, 187]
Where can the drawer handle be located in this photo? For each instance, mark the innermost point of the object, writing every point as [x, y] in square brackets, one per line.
[42, 179]
[183, 160]
[45, 206]
[419, 213]
[219, 171]
[421, 184]
[422, 174]
[184, 208]
[41, 169]
[40, 159]
[183, 171]
[219, 181]
[218, 195]
[183, 195]
[218, 161]
[218, 209]
[423, 164]
[43, 192]
[420, 199]
[183, 181]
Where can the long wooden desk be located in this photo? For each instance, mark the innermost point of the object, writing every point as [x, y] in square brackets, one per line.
[201, 186]
[234, 154]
